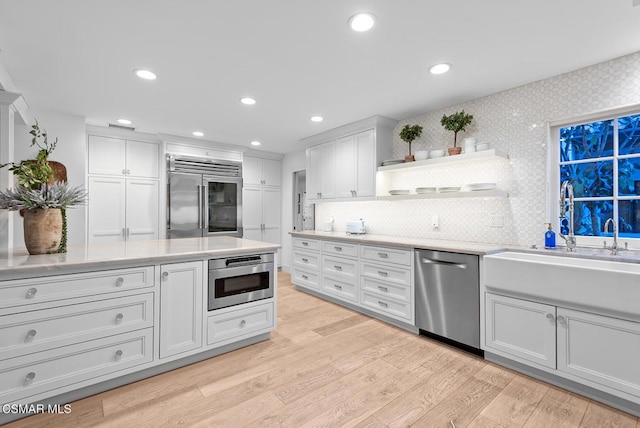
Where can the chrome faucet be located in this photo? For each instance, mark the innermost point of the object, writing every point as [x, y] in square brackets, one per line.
[567, 190]
[614, 247]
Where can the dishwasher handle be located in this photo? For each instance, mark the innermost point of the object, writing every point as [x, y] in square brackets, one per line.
[443, 263]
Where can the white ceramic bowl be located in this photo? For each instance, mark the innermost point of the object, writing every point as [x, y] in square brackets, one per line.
[422, 155]
[436, 153]
[470, 141]
[482, 146]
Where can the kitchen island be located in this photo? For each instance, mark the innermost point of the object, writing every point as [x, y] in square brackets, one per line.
[101, 316]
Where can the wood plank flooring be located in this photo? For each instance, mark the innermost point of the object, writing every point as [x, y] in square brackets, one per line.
[329, 366]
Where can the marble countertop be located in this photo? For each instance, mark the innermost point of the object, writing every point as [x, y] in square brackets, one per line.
[408, 242]
[18, 263]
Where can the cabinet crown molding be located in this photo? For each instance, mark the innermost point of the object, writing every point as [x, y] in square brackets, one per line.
[351, 128]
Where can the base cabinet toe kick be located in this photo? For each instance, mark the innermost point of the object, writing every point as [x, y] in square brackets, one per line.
[67, 336]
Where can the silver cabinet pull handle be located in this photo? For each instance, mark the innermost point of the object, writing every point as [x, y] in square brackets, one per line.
[29, 378]
[383, 255]
[550, 317]
[339, 287]
[336, 267]
[383, 304]
[30, 335]
[243, 323]
[381, 288]
[124, 172]
[119, 318]
[561, 320]
[338, 248]
[383, 273]
[119, 282]
[305, 243]
[165, 275]
[305, 260]
[31, 293]
[129, 171]
[118, 355]
[305, 277]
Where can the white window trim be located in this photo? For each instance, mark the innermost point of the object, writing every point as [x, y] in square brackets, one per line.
[553, 174]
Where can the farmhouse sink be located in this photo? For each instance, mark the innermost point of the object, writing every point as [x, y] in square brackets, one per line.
[574, 282]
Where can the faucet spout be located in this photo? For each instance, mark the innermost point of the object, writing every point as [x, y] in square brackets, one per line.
[614, 247]
[566, 191]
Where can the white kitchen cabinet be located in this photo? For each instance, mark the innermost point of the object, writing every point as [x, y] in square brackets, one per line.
[521, 328]
[260, 171]
[355, 155]
[181, 293]
[122, 209]
[601, 349]
[239, 323]
[262, 213]
[114, 156]
[321, 171]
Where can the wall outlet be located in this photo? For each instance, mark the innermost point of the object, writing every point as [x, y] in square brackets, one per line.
[435, 221]
[496, 220]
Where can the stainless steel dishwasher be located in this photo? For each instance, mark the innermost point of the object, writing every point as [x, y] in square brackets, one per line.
[448, 297]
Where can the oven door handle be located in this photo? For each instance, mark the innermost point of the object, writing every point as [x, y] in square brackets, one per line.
[239, 270]
[245, 263]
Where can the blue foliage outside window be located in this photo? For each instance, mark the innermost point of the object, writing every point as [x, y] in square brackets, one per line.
[591, 155]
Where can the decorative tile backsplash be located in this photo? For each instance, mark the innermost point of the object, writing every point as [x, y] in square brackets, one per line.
[514, 121]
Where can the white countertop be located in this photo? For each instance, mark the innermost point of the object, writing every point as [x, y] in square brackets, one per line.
[18, 263]
[400, 241]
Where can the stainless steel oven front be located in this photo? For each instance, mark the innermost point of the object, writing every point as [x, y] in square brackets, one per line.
[236, 280]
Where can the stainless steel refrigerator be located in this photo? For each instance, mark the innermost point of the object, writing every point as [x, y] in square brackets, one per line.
[204, 197]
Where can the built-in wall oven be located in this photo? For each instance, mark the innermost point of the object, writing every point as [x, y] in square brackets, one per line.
[236, 280]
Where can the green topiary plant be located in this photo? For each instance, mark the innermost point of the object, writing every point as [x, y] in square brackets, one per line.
[456, 122]
[410, 133]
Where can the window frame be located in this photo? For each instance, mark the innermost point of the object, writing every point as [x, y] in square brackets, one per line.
[553, 174]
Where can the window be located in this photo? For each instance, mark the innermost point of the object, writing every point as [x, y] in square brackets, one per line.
[601, 160]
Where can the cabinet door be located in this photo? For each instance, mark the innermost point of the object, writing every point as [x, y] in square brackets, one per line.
[142, 217]
[521, 328]
[314, 172]
[345, 161]
[181, 293]
[328, 164]
[142, 159]
[600, 349]
[251, 171]
[252, 213]
[271, 209]
[365, 162]
[106, 155]
[106, 209]
[272, 172]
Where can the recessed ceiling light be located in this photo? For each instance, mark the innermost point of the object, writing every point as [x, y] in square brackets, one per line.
[255, 143]
[439, 68]
[248, 101]
[198, 133]
[317, 118]
[146, 74]
[362, 22]
[124, 121]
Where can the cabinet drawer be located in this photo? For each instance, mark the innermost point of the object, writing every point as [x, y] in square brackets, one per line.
[401, 276]
[37, 373]
[387, 255]
[339, 288]
[340, 248]
[36, 331]
[59, 287]
[239, 323]
[305, 278]
[387, 289]
[306, 260]
[340, 267]
[383, 305]
[307, 244]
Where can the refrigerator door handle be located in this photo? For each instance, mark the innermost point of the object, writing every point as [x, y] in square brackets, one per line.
[205, 209]
[200, 206]
[440, 262]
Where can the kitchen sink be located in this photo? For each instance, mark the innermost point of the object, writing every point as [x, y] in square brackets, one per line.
[571, 281]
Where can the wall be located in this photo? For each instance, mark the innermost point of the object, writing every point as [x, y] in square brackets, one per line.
[71, 151]
[514, 121]
[291, 163]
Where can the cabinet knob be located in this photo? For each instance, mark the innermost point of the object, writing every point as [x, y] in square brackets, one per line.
[128, 172]
[118, 355]
[338, 248]
[383, 255]
[30, 335]
[305, 277]
[383, 304]
[337, 267]
[29, 378]
[339, 287]
[31, 293]
[561, 320]
[305, 244]
[124, 172]
[550, 317]
[119, 282]
[242, 323]
[119, 318]
[383, 273]
[305, 260]
[165, 274]
[384, 289]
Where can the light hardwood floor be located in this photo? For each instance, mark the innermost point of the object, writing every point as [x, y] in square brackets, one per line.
[329, 366]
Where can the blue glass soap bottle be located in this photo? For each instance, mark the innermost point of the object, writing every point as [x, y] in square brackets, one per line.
[549, 237]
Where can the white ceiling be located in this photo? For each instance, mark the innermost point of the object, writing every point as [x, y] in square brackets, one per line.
[298, 58]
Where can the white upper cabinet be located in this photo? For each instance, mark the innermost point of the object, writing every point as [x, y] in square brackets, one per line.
[261, 172]
[342, 163]
[114, 156]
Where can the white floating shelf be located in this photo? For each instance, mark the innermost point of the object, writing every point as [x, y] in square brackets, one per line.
[496, 193]
[446, 160]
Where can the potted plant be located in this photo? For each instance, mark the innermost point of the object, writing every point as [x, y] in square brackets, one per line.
[456, 122]
[408, 134]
